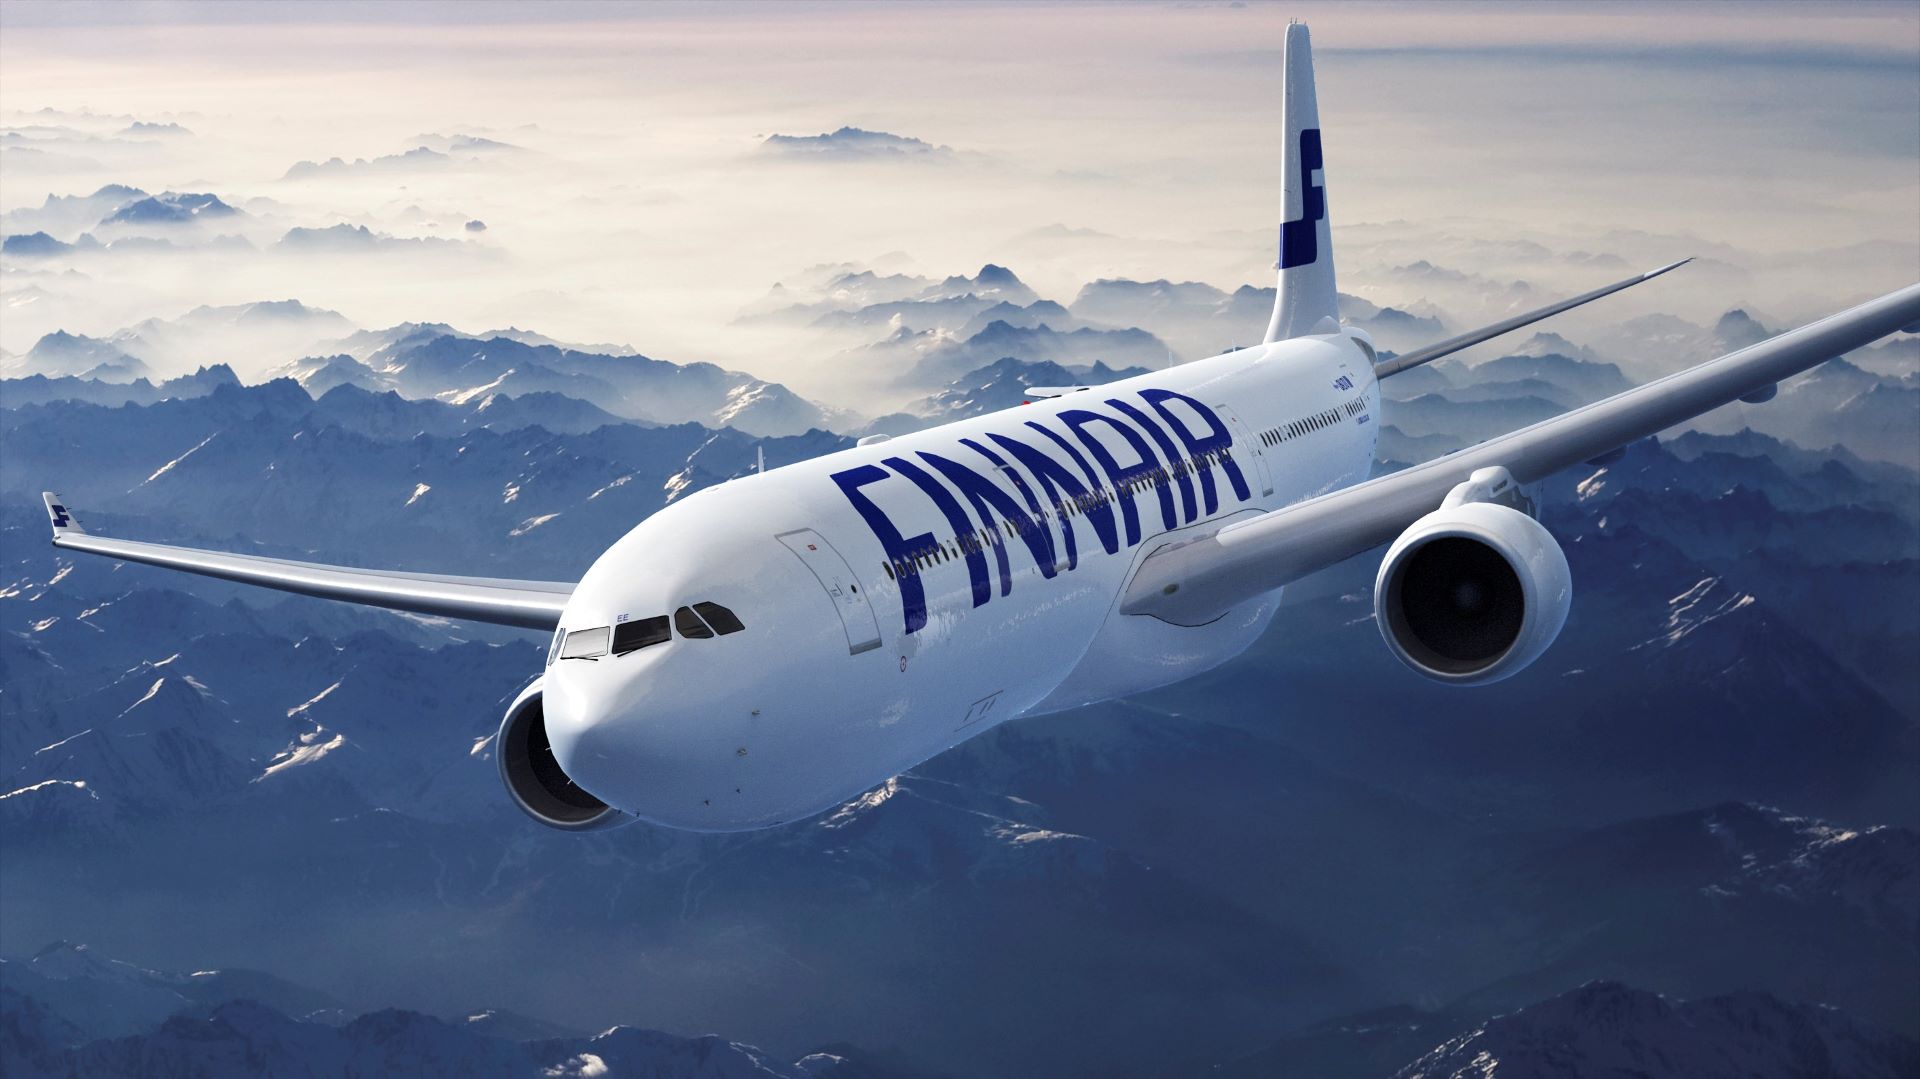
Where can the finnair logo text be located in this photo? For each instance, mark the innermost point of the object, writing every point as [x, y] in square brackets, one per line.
[1038, 483]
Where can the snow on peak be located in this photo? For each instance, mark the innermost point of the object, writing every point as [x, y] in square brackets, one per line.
[461, 397]
[300, 710]
[152, 691]
[1695, 608]
[45, 784]
[583, 1065]
[532, 523]
[305, 750]
[169, 466]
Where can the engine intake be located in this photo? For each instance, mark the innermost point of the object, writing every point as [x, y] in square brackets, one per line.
[534, 777]
[1476, 590]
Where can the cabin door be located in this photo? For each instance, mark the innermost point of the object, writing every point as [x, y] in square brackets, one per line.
[834, 575]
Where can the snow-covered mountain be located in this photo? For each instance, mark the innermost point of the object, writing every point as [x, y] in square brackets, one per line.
[937, 362]
[461, 370]
[68, 1010]
[170, 208]
[247, 337]
[854, 144]
[347, 239]
[1198, 319]
[67, 216]
[1160, 885]
[999, 385]
[418, 159]
[321, 350]
[1838, 403]
[65, 355]
[1605, 1029]
[102, 997]
[845, 299]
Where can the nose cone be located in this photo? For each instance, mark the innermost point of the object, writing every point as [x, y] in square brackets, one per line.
[719, 727]
[641, 733]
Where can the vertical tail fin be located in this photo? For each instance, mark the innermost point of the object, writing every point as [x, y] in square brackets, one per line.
[63, 522]
[1305, 301]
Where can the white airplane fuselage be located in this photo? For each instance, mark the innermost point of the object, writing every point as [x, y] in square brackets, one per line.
[900, 597]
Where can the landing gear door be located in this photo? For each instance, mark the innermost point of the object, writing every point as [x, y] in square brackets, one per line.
[834, 575]
[1249, 448]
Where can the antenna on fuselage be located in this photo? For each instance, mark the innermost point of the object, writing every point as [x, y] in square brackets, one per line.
[759, 459]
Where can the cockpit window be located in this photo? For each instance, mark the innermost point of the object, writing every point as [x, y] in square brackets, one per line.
[586, 643]
[721, 619]
[553, 650]
[689, 625]
[639, 633]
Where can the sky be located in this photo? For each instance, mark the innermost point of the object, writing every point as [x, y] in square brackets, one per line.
[1499, 142]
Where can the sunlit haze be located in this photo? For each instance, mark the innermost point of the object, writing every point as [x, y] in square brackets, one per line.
[635, 202]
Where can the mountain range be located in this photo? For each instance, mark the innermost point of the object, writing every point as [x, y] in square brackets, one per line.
[70, 1011]
[854, 144]
[1240, 865]
[1308, 855]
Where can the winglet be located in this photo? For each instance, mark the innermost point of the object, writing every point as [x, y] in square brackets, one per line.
[63, 522]
[1651, 274]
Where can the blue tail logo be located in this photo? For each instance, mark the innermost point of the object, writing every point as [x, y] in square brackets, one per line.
[1300, 240]
[60, 517]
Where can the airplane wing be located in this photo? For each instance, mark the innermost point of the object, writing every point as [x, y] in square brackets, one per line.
[1451, 345]
[1193, 582]
[527, 604]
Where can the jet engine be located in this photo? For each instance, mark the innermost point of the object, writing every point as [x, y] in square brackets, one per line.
[534, 777]
[1476, 590]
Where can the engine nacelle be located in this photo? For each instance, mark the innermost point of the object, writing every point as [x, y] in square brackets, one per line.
[1476, 590]
[534, 777]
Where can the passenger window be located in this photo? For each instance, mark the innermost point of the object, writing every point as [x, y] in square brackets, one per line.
[689, 625]
[586, 643]
[721, 619]
[639, 633]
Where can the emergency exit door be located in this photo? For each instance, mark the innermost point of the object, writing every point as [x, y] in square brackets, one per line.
[843, 588]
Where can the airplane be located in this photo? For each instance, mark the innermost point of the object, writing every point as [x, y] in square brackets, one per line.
[774, 646]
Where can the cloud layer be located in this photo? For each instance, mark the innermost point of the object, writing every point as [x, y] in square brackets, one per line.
[1478, 157]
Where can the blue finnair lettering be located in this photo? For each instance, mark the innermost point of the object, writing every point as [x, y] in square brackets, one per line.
[900, 549]
[1015, 488]
[1206, 449]
[1124, 478]
[1056, 480]
[992, 506]
[956, 520]
[1168, 453]
[1300, 239]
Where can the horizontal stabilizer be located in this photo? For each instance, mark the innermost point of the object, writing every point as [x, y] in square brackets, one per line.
[1487, 333]
[1042, 393]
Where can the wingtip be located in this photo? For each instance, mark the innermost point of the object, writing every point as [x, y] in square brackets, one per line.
[1664, 269]
[61, 518]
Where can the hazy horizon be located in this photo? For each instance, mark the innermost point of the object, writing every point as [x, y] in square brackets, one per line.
[1080, 142]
